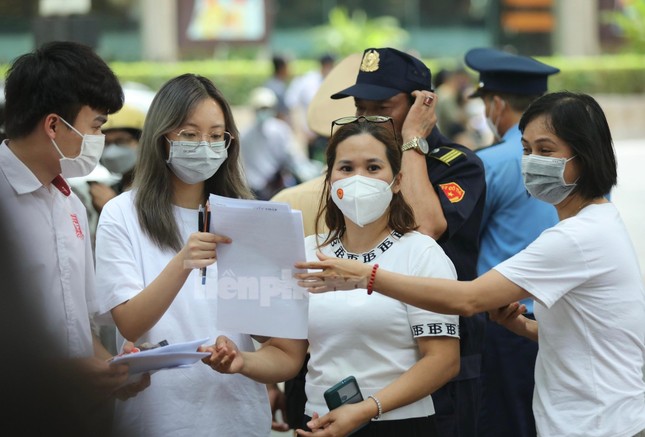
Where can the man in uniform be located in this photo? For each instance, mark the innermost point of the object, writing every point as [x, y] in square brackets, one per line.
[445, 186]
[512, 220]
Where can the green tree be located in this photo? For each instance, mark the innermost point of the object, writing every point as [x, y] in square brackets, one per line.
[345, 34]
[631, 22]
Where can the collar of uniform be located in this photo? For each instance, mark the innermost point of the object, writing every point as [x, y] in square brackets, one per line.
[61, 184]
[17, 173]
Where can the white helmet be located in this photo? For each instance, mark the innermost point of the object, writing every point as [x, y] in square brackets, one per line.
[262, 97]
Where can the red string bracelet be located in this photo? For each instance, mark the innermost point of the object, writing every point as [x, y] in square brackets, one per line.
[370, 283]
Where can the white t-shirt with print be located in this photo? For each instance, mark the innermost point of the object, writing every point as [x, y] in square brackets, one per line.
[196, 400]
[590, 306]
[373, 337]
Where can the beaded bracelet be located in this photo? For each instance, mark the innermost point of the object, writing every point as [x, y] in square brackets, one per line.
[378, 406]
[370, 283]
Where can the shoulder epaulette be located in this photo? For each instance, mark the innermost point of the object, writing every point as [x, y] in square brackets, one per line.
[447, 155]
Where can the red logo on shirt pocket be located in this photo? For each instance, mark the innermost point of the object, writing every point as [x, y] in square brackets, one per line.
[77, 227]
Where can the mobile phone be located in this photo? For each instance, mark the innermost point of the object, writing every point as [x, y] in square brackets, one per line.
[344, 392]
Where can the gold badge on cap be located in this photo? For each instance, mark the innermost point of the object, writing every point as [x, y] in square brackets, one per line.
[370, 61]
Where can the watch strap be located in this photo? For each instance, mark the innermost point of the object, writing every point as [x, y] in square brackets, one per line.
[412, 144]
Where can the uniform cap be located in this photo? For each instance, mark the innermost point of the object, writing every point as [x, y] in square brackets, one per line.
[385, 72]
[508, 73]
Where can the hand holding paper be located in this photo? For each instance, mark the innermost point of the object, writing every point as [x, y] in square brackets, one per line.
[224, 356]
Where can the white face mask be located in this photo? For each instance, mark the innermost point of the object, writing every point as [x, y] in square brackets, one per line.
[544, 178]
[87, 159]
[194, 162]
[492, 125]
[119, 159]
[362, 199]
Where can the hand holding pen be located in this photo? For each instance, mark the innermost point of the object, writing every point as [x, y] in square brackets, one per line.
[200, 249]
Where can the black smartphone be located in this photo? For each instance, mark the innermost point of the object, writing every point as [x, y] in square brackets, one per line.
[344, 392]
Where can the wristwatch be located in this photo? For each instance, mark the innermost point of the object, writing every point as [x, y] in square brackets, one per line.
[420, 145]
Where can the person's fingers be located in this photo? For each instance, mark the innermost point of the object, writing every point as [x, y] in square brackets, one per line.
[279, 426]
[313, 265]
[318, 422]
[424, 97]
[213, 238]
[221, 341]
[143, 383]
[321, 256]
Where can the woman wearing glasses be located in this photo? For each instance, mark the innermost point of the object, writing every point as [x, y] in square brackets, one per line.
[150, 252]
[398, 354]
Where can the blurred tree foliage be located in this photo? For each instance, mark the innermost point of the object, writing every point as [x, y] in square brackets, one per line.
[347, 33]
[630, 21]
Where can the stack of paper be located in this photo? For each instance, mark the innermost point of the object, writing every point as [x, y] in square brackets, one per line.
[164, 357]
[256, 291]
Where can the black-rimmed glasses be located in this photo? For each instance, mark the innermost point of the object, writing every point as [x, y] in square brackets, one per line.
[363, 118]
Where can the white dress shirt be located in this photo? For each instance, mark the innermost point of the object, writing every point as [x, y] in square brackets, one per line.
[52, 253]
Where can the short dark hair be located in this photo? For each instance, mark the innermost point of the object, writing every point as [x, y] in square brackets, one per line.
[279, 63]
[401, 216]
[59, 77]
[578, 120]
[327, 59]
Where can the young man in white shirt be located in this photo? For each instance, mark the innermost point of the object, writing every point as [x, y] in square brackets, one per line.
[57, 99]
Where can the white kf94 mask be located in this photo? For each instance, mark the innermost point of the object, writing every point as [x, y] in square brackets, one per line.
[362, 199]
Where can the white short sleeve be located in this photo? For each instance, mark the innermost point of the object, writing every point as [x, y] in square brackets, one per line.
[433, 262]
[549, 267]
[118, 275]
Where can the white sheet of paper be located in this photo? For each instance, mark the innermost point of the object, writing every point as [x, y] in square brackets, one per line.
[164, 357]
[257, 293]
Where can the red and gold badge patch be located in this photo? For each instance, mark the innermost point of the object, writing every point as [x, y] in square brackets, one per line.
[453, 191]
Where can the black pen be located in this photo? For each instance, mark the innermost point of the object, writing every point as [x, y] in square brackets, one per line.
[200, 228]
[206, 220]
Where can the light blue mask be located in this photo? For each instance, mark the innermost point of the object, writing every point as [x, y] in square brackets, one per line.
[194, 162]
[544, 178]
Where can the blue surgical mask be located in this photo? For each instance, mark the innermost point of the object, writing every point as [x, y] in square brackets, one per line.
[544, 178]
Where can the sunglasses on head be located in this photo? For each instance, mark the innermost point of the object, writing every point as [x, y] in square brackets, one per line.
[362, 119]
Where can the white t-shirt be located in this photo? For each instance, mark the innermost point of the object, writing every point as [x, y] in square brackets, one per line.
[267, 148]
[195, 401]
[373, 337]
[55, 252]
[590, 306]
